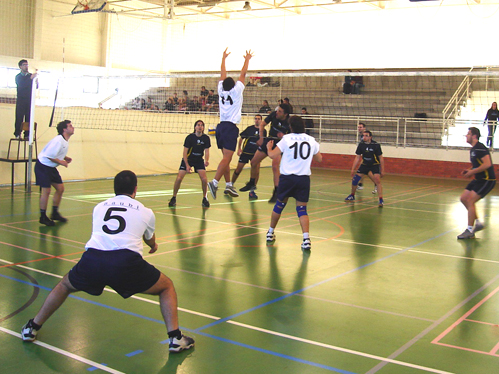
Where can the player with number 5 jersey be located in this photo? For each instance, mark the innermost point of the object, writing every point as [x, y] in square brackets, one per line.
[298, 150]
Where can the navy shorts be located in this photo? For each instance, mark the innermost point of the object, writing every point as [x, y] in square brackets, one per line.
[46, 175]
[365, 169]
[481, 186]
[263, 147]
[297, 186]
[245, 158]
[226, 135]
[123, 270]
[196, 164]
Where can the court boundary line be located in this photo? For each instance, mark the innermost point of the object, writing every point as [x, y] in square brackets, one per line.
[64, 353]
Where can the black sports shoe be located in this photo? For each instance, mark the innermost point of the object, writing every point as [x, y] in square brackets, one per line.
[178, 345]
[273, 199]
[56, 216]
[28, 331]
[249, 186]
[44, 220]
[173, 202]
[253, 195]
[205, 203]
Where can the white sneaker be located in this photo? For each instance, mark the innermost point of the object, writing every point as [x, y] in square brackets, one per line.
[306, 245]
[178, 345]
[270, 237]
[375, 191]
[230, 190]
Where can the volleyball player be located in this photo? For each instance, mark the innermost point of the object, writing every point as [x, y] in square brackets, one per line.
[485, 180]
[195, 145]
[279, 126]
[47, 175]
[113, 257]
[230, 98]
[298, 149]
[246, 152]
[372, 165]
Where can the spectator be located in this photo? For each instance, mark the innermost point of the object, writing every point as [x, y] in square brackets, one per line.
[286, 101]
[142, 104]
[136, 103]
[182, 105]
[309, 122]
[175, 99]
[194, 105]
[279, 102]
[358, 84]
[204, 91]
[265, 108]
[169, 106]
[491, 120]
[211, 101]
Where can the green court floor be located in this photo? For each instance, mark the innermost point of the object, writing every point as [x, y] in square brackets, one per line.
[384, 290]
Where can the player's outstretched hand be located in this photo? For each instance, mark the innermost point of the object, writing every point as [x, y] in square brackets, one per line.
[248, 55]
[154, 249]
[226, 53]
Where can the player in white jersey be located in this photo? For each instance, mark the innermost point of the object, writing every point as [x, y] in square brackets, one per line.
[298, 150]
[230, 98]
[113, 258]
[53, 155]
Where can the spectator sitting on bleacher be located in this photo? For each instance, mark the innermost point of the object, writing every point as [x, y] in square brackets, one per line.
[169, 106]
[211, 101]
[143, 105]
[286, 101]
[358, 84]
[175, 99]
[182, 105]
[194, 105]
[204, 91]
[265, 108]
[136, 103]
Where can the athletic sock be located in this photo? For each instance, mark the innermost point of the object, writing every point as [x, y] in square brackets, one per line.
[175, 334]
[228, 184]
[477, 222]
[470, 228]
[54, 209]
[306, 235]
[271, 230]
[215, 182]
[43, 212]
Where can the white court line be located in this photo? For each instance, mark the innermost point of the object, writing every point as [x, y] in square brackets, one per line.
[65, 353]
[340, 349]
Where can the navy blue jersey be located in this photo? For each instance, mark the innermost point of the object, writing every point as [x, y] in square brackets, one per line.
[196, 146]
[477, 153]
[277, 125]
[251, 136]
[370, 152]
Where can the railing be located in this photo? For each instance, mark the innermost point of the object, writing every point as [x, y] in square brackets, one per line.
[451, 110]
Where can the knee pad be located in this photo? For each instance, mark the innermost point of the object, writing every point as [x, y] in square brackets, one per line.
[279, 206]
[356, 179]
[301, 210]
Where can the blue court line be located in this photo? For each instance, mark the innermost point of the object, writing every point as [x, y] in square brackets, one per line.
[134, 353]
[277, 354]
[222, 320]
[93, 368]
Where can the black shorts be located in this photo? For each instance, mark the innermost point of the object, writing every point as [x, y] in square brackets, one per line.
[245, 158]
[365, 169]
[297, 186]
[226, 135]
[196, 164]
[481, 186]
[46, 175]
[263, 147]
[123, 270]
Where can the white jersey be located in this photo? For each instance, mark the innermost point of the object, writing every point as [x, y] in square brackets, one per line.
[56, 148]
[231, 102]
[297, 153]
[119, 223]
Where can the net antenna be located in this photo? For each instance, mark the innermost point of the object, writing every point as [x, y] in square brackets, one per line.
[87, 6]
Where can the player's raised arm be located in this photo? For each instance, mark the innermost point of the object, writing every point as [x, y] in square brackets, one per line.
[223, 70]
[244, 70]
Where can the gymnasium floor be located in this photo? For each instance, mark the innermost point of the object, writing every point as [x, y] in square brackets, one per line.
[384, 291]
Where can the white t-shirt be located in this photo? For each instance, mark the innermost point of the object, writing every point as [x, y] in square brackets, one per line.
[297, 153]
[56, 148]
[119, 223]
[230, 102]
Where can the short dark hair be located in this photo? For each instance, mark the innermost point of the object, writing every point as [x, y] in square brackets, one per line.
[195, 123]
[363, 124]
[228, 84]
[125, 182]
[259, 115]
[62, 125]
[297, 125]
[286, 108]
[286, 99]
[304, 108]
[475, 131]
[368, 132]
[22, 62]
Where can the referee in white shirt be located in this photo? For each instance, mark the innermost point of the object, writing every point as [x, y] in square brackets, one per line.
[298, 149]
